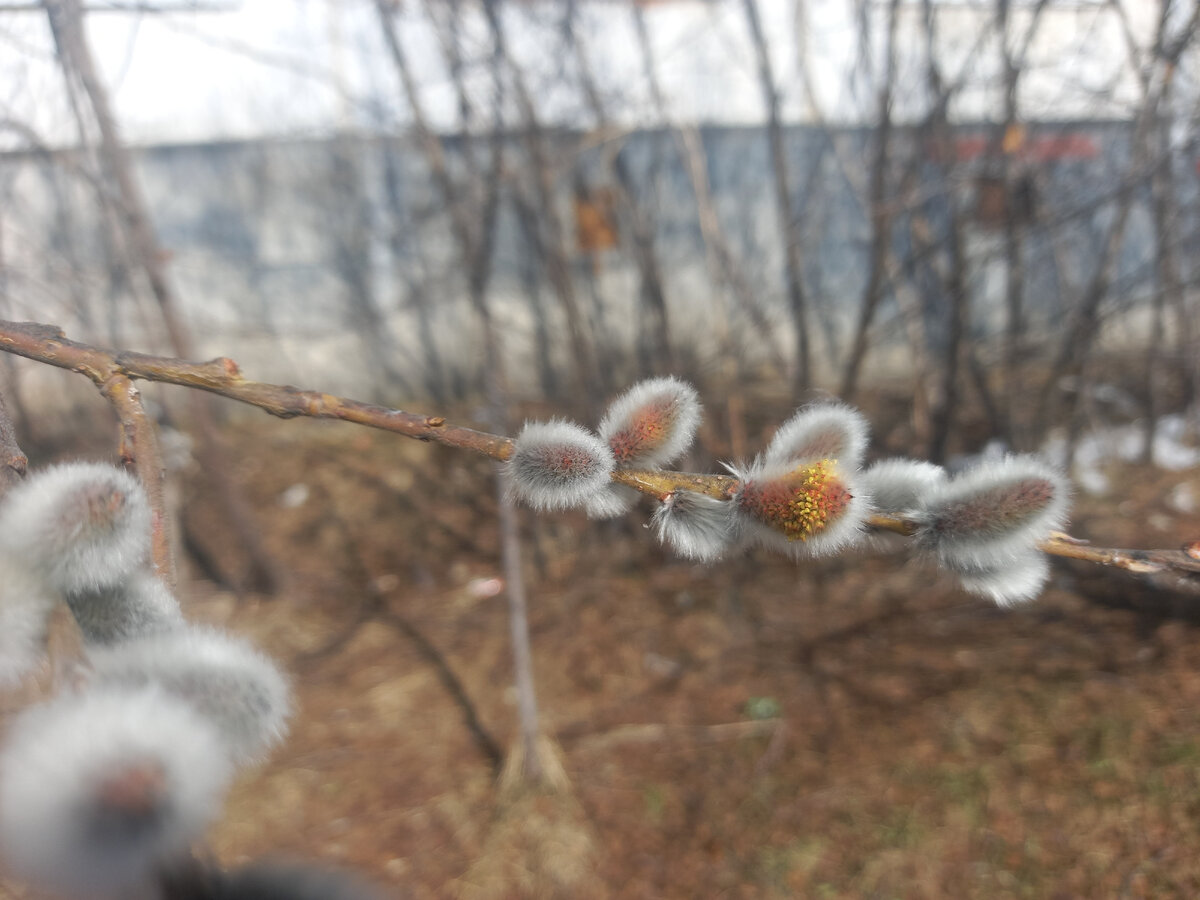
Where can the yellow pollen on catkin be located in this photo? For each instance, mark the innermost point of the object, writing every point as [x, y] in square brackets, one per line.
[801, 503]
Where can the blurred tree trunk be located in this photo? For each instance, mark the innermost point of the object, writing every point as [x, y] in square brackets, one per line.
[1084, 320]
[350, 231]
[1009, 139]
[433, 373]
[653, 331]
[474, 231]
[789, 228]
[945, 398]
[1165, 219]
[591, 381]
[719, 256]
[530, 264]
[66, 24]
[879, 209]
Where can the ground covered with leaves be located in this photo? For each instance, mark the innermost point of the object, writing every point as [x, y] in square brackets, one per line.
[856, 727]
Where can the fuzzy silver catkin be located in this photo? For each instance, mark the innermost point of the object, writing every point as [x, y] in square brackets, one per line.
[558, 465]
[770, 509]
[651, 424]
[694, 525]
[139, 606]
[993, 514]
[821, 431]
[1017, 581]
[25, 607]
[611, 501]
[898, 485]
[231, 684]
[100, 789]
[83, 526]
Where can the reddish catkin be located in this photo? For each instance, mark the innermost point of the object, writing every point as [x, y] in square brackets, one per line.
[991, 515]
[558, 465]
[800, 504]
[998, 509]
[651, 424]
[822, 431]
[810, 509]
[645, 432]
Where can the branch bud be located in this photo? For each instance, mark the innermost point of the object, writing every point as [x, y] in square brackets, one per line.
[82, 525]
[987, 517]
[558, 465]
[830, 431]
[696, 526]
[98, 790]
[807, 509]
[651, 424]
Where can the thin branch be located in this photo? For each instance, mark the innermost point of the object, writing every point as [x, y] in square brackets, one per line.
[48, 344]
[12, 460]
[140, 452]
[66, 21]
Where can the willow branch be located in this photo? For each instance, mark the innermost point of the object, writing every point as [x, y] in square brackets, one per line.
[140, 452]
[12, 460]
[221, 376]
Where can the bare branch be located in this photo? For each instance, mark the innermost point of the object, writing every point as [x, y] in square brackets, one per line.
[65, 18]
[12, 460]
[48, 344]
[140, 452]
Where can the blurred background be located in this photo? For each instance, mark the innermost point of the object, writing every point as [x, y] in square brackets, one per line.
[976, 219]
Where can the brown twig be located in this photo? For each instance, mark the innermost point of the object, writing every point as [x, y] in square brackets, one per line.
[140, 452]
[12, 460]
[47, 344]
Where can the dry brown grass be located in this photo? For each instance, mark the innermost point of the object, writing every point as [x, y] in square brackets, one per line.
[932, 747]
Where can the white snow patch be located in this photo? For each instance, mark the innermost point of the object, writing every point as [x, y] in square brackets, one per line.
[1176, 448]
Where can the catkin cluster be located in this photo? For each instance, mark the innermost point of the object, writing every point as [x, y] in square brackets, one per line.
[806, 495]
[111, 782]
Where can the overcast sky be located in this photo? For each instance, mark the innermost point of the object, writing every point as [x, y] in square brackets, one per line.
[297, 67]
[265, 67]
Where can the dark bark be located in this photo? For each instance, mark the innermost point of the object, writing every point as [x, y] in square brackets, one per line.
[880, 211]
[789, 228]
